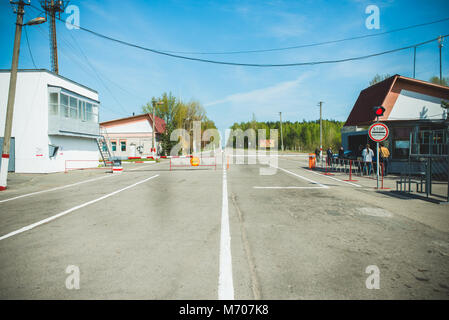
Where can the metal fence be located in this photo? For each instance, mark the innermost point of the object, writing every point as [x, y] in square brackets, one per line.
[427, 175]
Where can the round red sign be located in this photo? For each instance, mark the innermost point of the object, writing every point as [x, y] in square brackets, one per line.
[378, 132]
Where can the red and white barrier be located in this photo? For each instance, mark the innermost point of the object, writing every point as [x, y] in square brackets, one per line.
[185, 161]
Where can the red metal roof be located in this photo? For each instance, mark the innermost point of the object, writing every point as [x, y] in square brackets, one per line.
[385, 93]
[159, 125]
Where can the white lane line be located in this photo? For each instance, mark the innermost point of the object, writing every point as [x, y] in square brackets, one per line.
[225, 281]
[304, 178]
[288, 187]
[352, 184]
[34, 225]
[54, 189]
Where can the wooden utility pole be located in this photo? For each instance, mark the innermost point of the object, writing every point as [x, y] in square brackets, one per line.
[282, 138]
[11, 94]
[321, 130]
[440, 46]
[414, 62]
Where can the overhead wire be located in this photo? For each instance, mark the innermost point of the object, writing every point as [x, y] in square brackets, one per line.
[29, 47]
[82, 65]
[98, 75]
[310, 44]
[295, 64]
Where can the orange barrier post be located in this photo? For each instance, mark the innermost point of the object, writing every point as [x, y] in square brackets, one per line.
[312, 161]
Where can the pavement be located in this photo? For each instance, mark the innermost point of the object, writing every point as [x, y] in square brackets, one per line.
[208, 233]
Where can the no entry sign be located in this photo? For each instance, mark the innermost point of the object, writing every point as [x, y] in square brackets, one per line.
[378, 132]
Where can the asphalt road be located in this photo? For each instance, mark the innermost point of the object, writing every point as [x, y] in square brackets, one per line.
[206, 233]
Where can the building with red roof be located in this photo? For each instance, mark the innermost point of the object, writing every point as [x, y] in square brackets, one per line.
[414, 114]
[133, 136]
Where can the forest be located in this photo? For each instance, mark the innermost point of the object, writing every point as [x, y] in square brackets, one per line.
[299, 136]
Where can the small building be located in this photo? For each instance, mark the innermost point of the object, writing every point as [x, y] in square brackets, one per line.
[414, 116]
[55, 122]
[133, 136]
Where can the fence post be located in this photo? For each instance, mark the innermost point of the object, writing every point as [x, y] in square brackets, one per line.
[350, 172]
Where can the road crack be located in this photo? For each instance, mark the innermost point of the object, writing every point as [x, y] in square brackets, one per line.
[255, 286]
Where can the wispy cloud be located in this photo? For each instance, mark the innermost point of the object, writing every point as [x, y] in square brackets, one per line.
[262, 96]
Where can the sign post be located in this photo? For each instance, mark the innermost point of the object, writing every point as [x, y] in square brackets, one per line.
[378, 132]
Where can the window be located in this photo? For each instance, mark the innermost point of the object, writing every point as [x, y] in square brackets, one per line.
[54, 103]
[88, 111]
[52, 150]
[401, 142]
[73, 108]
[64, 105]
[114, 146]
[69, 106]
[80, 109]
[95, 113]
[123, 145]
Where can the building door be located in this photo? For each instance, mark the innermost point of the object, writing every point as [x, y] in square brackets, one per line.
[12, 155]
[132, 150]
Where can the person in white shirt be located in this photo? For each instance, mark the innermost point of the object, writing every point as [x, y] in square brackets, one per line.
[367, 155]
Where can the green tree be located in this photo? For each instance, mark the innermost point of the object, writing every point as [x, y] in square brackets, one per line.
[378, 78]
[177, 115]
[444, 81]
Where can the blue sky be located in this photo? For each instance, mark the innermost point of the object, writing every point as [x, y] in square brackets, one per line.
[126, 78]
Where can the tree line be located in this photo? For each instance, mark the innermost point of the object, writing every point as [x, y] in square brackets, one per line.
[297, 136]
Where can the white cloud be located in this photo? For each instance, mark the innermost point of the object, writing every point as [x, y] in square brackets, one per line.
[263, 96]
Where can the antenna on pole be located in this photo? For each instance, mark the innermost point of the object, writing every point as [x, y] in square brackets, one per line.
[53, 8]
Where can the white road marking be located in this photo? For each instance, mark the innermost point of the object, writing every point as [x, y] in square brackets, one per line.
[288, 187]
[225, 281]
[54, 189]
[304, 178]
[34, 225]
[352, 184]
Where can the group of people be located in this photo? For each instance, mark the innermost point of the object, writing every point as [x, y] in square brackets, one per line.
[367, 155]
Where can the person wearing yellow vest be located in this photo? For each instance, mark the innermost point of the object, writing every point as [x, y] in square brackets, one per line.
[384, 155]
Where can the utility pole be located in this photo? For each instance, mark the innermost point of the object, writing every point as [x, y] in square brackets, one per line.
[153, 133]
[153, 149]
[11, 94]
[282, 138]
[440, 46]
[414, 62]
[321, 131]
[19, 10]
[53, 8]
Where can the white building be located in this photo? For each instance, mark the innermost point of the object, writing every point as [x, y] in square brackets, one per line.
[55, 123]
[133, 136]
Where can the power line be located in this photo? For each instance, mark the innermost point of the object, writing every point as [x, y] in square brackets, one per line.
[295, 64]
[315, 44]
[29, 48]
[254, 64]
[97, 73]
[85, 68]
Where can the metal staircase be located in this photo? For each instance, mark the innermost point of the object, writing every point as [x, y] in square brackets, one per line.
[104, 148]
